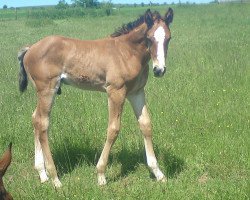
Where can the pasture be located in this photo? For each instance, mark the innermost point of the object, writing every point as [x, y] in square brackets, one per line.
[200, 112]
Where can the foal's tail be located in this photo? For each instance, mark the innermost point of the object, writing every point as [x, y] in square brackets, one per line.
[23, 80]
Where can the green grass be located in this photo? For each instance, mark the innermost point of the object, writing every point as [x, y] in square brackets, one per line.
[52, 12]
[200, 113]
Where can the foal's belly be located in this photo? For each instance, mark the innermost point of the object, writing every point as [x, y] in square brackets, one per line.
[84, 82]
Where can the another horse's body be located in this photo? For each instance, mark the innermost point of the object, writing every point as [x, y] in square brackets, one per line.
[4, 164]
[117, 65]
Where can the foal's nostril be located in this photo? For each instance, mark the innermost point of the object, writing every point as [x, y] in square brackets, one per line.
[157, 71]
[155, 68]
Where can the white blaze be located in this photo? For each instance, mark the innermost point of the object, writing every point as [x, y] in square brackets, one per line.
[159, 36]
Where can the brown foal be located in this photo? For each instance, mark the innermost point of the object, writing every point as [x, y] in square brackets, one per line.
[4, 164]
[117, 65]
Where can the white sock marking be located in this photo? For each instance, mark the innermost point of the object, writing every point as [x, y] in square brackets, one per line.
[39, 160]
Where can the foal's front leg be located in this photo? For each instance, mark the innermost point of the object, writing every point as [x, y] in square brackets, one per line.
[139, 106]
[116, 99]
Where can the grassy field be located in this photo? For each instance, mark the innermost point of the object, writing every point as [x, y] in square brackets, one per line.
[200, 113]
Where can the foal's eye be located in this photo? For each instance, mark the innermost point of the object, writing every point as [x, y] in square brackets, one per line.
[167, 40]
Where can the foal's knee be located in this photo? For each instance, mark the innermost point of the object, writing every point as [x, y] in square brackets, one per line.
[40, 123]
[145, 126]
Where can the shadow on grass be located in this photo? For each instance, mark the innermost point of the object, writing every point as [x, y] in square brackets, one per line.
[173, 165]
[70, 156]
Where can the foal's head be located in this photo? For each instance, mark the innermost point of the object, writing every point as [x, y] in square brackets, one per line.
[158, 37]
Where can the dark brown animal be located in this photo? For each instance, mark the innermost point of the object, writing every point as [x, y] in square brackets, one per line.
[117, 65]
[4, 164]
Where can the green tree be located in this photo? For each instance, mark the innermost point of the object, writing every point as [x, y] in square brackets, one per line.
[107, 6]
[62, 4]
[86, 3]
[5, 6]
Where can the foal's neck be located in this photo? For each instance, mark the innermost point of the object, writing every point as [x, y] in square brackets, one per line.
[137, 39]
[138, 35]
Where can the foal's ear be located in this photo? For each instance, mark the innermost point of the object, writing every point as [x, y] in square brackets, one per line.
[148, 17]
[169, 16]
[5, 160]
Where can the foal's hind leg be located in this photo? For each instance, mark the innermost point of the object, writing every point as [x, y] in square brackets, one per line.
[41, 124]
[138, 103]
[115, 104]
[39, 158]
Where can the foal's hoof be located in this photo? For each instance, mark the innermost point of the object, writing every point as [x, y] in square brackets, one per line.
[43, 177]
[43, 180]
[163, 180]
[57, 183]
[101, 180]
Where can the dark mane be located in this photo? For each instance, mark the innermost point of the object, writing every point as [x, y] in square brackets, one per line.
[126, 28]
[156, 15]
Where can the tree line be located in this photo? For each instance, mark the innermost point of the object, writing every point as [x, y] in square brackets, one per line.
[62, 4]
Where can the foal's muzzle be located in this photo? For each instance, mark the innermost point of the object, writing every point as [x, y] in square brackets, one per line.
[159, 72]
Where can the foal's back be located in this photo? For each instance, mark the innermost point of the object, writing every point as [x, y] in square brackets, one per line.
[88, 64]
